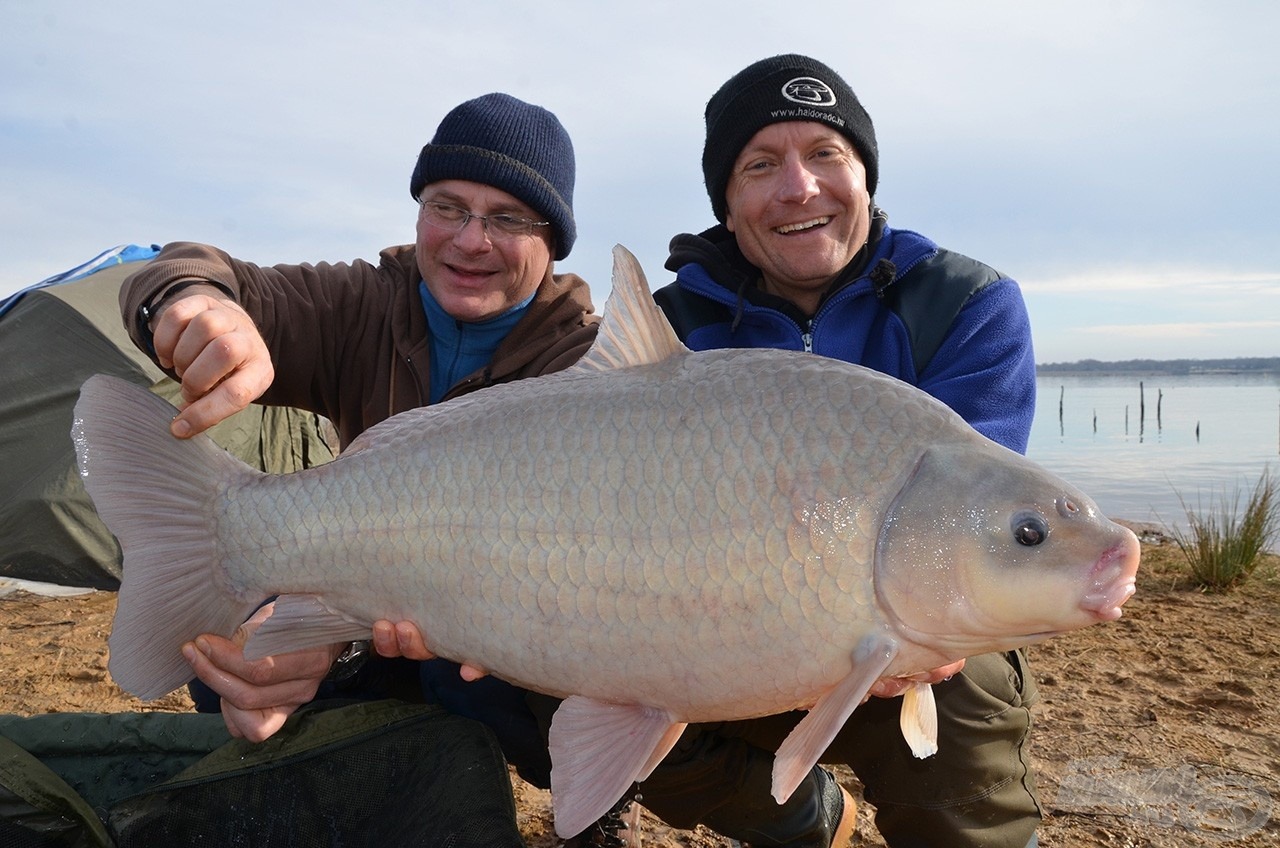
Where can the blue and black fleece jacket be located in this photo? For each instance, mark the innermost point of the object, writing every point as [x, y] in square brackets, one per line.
[904, 306]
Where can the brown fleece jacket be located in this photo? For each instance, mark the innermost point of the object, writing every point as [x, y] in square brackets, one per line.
[350, 341]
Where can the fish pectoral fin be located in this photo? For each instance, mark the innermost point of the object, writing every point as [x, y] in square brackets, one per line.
[302, 621]
[800, 751]
[919, 720]
[598, 750]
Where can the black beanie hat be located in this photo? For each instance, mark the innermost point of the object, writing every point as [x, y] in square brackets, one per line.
[511, 145]
[783, 88]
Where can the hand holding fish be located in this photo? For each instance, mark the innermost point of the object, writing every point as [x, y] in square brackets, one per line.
[892, 687]
[404, 639]
[216, 350]
[258, 695]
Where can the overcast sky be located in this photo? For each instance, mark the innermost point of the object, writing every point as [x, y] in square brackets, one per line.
[1120, 159]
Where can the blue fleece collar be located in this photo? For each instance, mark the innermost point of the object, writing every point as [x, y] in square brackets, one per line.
[461, 348]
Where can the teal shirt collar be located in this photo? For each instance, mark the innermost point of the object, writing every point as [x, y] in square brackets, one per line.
[460, 348]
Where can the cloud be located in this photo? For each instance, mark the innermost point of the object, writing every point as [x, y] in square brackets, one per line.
[1184, 330]
[1144, 279]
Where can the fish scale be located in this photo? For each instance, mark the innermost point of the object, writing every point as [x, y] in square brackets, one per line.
[494, 529]
[657, 536]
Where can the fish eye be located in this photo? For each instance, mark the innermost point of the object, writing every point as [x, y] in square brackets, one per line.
[1029, 528]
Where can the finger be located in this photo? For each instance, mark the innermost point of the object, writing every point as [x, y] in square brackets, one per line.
[892, 687]
[889, 687]
[937, 675]
[230, 721]
[307, 667]
[411, 642]
[235, 690]
[199, 655]
[190, 323]
[384, 639]
[235, 393]
[288, 680]
[227, 654]
[168, 328]
[472, 673]
[169, 331]
[254, 725]
[208, 355]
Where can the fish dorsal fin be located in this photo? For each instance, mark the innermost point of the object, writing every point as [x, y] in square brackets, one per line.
[634, 330]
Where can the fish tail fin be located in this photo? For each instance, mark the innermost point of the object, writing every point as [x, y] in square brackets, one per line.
[156, 493]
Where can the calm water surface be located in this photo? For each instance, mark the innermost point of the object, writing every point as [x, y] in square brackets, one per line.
[1202, 437]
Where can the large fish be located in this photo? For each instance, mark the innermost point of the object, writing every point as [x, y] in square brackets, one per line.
[655, 535]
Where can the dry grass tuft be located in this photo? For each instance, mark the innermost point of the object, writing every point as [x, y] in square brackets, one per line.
[1223, 545]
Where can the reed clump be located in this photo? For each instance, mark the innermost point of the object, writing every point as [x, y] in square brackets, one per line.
[1223, 545]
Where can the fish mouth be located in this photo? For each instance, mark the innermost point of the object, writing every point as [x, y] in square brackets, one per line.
[1105, 602]
[802, 226]
[1114, 581]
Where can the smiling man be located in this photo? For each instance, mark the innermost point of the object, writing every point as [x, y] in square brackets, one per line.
[473, 302]
[803, 259]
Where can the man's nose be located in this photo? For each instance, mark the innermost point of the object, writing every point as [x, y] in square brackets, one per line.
[798, 182]
[473, 237]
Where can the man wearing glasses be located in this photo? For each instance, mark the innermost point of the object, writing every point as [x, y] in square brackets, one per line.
[472, 303]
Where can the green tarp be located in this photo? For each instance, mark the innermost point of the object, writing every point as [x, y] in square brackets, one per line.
[51, 340]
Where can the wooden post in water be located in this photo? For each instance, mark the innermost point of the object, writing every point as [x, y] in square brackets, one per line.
[1142, 410]
[1062, 395]
[1159, 407]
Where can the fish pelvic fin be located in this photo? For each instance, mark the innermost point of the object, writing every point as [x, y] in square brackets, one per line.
[634, 331]
[156, 493]
[598, 750]
[799, 752]
[919, 720]
[303, 621]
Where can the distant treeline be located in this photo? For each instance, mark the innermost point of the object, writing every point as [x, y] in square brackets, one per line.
[1254, 365]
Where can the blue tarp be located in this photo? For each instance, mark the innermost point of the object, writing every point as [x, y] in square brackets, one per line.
[115, 256]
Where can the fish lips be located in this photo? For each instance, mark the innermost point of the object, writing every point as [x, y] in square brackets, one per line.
[1115, 580]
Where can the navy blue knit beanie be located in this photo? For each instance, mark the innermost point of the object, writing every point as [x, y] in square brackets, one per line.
[506, 143]
[782, 88]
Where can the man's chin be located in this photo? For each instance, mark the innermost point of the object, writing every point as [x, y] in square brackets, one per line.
[471, 307]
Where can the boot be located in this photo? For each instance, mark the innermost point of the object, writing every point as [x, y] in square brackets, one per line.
[839, 819]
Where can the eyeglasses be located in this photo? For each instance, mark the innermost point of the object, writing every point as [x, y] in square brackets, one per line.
[454, 219]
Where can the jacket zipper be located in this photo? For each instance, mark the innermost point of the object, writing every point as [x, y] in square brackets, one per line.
[417, 382]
